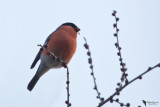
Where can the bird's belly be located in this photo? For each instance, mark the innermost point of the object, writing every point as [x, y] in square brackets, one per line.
[50, 62]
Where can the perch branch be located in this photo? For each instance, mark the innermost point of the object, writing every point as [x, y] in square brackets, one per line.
[65, 66]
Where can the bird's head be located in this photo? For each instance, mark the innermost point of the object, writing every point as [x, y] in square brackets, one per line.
[72, 25]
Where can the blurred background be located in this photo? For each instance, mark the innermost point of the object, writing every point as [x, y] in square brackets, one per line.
[26, 23]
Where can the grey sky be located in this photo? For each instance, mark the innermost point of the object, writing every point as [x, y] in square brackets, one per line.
[26, 23]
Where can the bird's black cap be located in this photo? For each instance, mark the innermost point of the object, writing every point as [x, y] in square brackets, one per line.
[71, 25]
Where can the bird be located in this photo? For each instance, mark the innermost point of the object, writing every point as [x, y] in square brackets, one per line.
[62, 43]
[144, 102]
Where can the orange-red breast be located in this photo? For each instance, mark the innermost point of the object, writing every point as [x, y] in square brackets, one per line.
[63, 43]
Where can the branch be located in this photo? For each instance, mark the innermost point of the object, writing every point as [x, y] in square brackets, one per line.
[67, 82]
[64, 65]
[138, 77]
[123, 69]
[120, 103]
[92, 71]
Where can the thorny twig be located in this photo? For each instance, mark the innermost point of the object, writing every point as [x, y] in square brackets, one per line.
[65, 66]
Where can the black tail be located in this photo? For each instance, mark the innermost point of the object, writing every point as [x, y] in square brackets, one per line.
[32, 83]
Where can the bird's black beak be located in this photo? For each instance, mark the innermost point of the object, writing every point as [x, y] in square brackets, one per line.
[77, 30]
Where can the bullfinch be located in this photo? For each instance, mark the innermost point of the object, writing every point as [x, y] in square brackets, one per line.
[63, 43]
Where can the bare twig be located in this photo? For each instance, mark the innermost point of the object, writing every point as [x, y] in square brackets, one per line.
[138, 77]
[120, 103]
[50, 53]
[123, 69]
[67, 82]
[122, 64]
[92, 71]
[65, 66]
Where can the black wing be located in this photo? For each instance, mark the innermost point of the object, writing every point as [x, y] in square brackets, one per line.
[39, 53]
